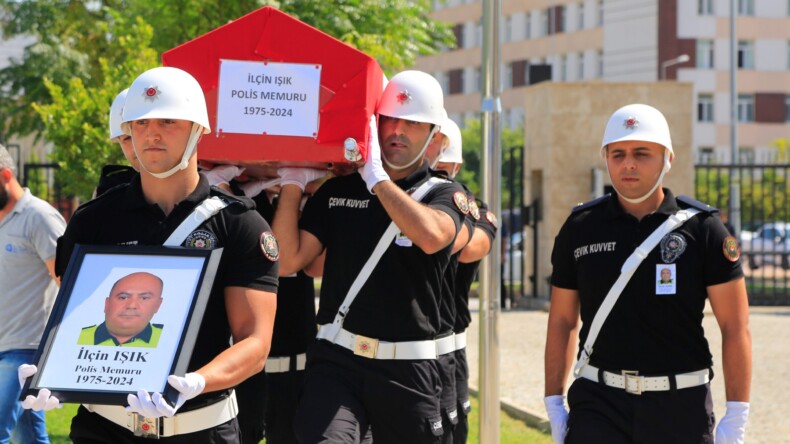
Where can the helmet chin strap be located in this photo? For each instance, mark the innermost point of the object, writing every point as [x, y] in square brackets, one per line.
[667, 166]
[194, 136]
[436, 160]
[416, 158]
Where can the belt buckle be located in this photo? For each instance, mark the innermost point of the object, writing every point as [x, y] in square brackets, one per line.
[146, 427]
[632, 375]
[365, 347]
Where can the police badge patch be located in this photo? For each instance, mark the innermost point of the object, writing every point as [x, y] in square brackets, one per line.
[672, 246]
[201, 239]
[474, 210]
[731, 249]
[461, 202]
[491, 218]
[269, 246]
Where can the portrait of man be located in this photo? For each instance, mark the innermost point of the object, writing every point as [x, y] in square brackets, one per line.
[133, 301]
[666, 276]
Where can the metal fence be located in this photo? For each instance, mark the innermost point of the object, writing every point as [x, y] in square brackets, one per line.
[764, 196]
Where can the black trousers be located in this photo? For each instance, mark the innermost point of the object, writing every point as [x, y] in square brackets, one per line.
[282, 396]
[251, 396]
[461, 431]
[607, 415]
[91, 428]
[344, 394]
[449, 400]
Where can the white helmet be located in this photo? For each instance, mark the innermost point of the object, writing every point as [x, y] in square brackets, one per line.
[116, 113]
[637, 122]
[453, 152]
[167, 93]
[415, 96]
[641, 123]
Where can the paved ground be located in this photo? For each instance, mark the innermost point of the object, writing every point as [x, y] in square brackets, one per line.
[522, 336]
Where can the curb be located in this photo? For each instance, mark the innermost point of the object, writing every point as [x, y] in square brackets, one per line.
[529, 417]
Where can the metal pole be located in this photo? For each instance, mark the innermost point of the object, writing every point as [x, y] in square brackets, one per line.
[735, 186]
[492, 184]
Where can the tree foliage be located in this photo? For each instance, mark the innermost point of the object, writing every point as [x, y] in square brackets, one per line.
[84, 52]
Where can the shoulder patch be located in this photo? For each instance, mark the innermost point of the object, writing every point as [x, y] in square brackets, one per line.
[461, 201]
[269, 246]
[474, 210]
[731, 249]
[592, 203]
[491, 218]
[686, 202]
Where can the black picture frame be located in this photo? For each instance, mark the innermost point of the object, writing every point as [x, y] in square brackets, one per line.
[78, 371]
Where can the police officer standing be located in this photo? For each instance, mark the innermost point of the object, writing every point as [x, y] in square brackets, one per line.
[112, 175]
[375, 361]
[165, 113]
[644, 365]
[485, 228]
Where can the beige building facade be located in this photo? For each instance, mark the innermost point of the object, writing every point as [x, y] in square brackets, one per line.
[634, 41]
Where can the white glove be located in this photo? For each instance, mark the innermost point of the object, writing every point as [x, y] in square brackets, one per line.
[255, 187]
[558, 417]
[299, 176]
[155, 406]
[25, 371]
[373, 172]
[732, 426]
[222, 174]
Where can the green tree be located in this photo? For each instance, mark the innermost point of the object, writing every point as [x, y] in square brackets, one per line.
[76, 119]
[471, 173]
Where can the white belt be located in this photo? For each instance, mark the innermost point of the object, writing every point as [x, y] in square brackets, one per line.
[631, 382]
[445, 345]
[460, 340]
[283, 364]
[182, 423]
[375, 349]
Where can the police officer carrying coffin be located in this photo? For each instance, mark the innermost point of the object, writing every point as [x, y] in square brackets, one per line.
[643, 370]
[166, 115]
[386, 251]
[469, 258]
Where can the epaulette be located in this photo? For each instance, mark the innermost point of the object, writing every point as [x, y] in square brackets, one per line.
[230, 199]
[590, 204]
[103, 196]
[690, 202]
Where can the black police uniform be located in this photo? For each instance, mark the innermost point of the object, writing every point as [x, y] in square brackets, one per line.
[112, 176]
[343, 392]
[465, 276]
[651, 330]
[274, 396]
[122, 216]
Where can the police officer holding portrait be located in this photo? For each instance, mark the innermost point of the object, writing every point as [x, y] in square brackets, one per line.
[165, 113]
[388, 234]
[644, 366]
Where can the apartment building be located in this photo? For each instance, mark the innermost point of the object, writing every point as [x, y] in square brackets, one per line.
[634, 41]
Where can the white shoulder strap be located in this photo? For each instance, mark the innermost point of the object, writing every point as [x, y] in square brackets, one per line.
[209, 207]
[626, 272]
[373, 260]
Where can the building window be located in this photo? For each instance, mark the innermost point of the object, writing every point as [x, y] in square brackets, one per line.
[707, 155]
[458, 30]
[560, 19]
[478, 80]
[581, 66]
[705, 7]
[745, 155]
[745, 7]
[705, 54]
[479, 34]
[705, 108]
[745, 54]
[544, 23]
[599, 73]
[600, 13]
[518, 73]
[787, 108]
[580, 25]
[528, 26]
[456, 81]
[745, 108]
[508, 37]
[562, 61]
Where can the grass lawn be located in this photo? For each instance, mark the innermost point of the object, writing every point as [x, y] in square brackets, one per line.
[512, 430]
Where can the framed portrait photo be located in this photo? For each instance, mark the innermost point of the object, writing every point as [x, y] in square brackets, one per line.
[124, 319]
